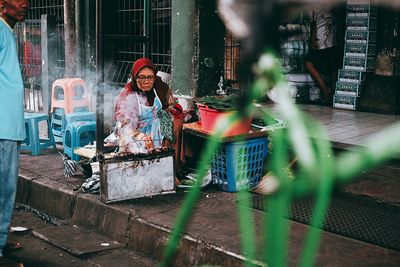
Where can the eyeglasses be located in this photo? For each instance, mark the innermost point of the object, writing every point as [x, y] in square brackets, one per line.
[142, 78]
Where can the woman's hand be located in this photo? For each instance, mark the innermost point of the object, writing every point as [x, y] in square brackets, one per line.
[146, 139]
[148, 143]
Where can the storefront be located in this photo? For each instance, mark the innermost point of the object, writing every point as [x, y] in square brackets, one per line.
[367, 76]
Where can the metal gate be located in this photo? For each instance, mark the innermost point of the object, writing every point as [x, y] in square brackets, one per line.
[29, 53]
[29, 40]
[232, 60]
[131, 27]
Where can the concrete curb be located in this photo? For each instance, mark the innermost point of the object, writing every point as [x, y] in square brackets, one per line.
[108, 220]
[211, 237]
[119, 222]
[150, 240]
[47, 195]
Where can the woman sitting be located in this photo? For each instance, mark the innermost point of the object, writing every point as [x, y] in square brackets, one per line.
[143, 121]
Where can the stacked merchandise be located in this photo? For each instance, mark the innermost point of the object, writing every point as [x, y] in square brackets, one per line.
[359, 53]
[293, 48]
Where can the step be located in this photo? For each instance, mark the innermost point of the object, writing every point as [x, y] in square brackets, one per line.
[46, 244]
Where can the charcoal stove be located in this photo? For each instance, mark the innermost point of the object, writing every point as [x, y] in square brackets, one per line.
[136, 176]
[132, 176]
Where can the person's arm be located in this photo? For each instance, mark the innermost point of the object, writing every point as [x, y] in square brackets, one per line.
[165, 93]
[146, 139]
[170, 98]
[127, 108]
[120, 108]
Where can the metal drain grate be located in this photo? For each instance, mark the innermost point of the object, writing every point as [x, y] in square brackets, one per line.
[351, 216]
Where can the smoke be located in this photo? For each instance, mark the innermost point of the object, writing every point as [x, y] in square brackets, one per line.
[97, 85]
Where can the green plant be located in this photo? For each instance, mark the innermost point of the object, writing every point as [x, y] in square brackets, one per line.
[226, 103]
[317, 171]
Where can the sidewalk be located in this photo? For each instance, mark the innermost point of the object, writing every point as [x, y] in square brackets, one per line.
[346, 128]
[144, 224]
[212, 236]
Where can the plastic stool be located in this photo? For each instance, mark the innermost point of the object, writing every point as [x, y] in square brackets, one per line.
[59, 120]
[78, 134]
[58, 124]
[80, 116]
[70, 94]
[33, 142]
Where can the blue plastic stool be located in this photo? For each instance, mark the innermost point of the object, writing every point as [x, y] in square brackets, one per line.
[80, 116]
[58, 124]
[78, 134]
[33, 142]
[59, 120]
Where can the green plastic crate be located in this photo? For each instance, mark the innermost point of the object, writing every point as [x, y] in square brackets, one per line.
[351, 76]
[345, 102]
[361, 23]
[360, 37]
[359, 50]
[361, 8]
[359, 14]
[360, 64]
[348, 89]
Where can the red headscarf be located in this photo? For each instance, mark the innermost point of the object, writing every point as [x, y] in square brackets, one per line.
[160, 87]
[140, 64]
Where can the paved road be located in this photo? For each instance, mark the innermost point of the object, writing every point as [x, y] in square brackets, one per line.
[38, 253]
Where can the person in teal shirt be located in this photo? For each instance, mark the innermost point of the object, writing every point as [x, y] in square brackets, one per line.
[12, 129]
